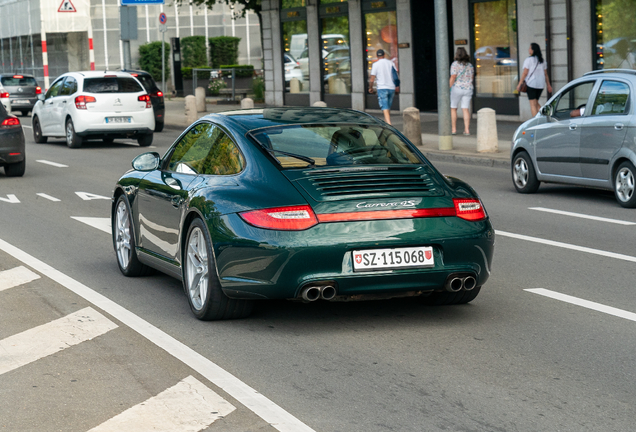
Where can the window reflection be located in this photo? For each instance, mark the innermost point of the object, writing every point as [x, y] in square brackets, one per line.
[296, 56]
[381, 33]
[336, 56]
[615, 34]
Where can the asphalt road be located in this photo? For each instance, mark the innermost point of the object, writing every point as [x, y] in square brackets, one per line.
[561, 358]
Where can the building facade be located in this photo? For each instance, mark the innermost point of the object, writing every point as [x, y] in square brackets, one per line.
[323, 50]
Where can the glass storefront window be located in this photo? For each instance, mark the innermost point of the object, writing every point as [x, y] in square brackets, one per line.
[288, 4]
[296, 56]
[615, 34]
[495, 36]
[381, 33]
[335, 53]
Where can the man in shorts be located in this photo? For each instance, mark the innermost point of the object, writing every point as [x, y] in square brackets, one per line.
[382, 74]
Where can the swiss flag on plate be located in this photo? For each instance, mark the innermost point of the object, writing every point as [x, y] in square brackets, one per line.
[428, 254]
[358, 258]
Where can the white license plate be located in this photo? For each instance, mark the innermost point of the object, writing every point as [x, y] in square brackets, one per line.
[118, 119]
[382, 259]
[21, 101]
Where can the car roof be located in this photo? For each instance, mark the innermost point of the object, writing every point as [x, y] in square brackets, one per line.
[16, 73]
[251, 119]
[622, 73]
[98, 74]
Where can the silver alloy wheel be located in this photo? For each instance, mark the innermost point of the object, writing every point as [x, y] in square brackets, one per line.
[520, 172]
[122, 235]
[69, 133]
[197, 268]
[625, 184]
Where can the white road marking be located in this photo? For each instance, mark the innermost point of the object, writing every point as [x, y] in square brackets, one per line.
[15, 277]
[29, 127]
[87, 196]
[102, 224]
[568, 246]
[582, 216]
[584, 303]
[189, 406]
[48, 197]
[273, 414]
[55, 164]
[31, 345]
[11, 199]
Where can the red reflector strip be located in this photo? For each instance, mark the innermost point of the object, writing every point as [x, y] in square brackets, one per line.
[15, 154]
[387, 214]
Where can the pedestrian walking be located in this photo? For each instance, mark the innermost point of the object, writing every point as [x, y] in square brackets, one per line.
[461, 85]
[535, 76]
[382, 74]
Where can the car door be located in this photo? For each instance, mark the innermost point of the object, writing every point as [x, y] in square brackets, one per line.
[605, 128]
[163, 192]
[61, 103]
[47, 114]
[558, 140]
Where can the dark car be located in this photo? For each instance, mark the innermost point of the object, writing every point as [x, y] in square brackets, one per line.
[300, 203]
[156, 96]
[23, 91]
[11, 144]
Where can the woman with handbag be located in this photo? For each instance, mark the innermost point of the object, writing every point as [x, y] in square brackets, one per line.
[461, 85]
[534, 78]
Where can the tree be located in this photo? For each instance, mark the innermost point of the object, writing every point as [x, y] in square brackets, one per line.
[253, 5]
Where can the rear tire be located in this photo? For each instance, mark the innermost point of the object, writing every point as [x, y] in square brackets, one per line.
[159, 126]
[72, 139]
[145, 140]
[201, 281]
[24, 113]
[37, 131]
[523, 175]
[443, 298]
[15, 169]
[625, 185]
[124, 241]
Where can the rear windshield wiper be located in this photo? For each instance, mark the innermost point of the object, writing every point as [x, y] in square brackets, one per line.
[297, 156]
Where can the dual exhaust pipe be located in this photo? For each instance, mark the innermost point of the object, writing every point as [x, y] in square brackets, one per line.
[313, 293]
[457, 283]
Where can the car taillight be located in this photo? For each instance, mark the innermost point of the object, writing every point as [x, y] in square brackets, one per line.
[293, 218]
[135, 75]
[158, 94]
[38, 90]
[4, 95]
[81, 101]
[18, 76]
[10, 123]
[469, 209]
[145, 98]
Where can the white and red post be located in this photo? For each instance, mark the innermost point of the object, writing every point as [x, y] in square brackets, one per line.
[91, 53]
[45, 57]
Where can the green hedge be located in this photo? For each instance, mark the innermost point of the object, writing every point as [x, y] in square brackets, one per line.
[186, 72]
[193, 51]
[242, 71]
[224, 50]
[150, 59]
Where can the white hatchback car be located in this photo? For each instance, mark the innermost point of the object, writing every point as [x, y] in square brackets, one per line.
[88, 105]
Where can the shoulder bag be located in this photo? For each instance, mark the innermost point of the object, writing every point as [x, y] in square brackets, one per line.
[524, 85]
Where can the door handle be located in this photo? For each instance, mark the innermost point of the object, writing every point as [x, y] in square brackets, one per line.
[174, 184]
[618, 126]
[572, 127]
[176, 201]
[63, 101]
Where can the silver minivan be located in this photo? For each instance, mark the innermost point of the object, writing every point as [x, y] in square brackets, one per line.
[584, 135]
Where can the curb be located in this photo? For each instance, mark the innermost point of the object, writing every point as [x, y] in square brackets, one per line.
[465, 159]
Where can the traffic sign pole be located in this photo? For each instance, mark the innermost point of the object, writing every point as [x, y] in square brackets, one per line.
[163, 20]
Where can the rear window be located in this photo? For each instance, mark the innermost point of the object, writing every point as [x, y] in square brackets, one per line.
[18, 82]
[112, 85]
[147, 82]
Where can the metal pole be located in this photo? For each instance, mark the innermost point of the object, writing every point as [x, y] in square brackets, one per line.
[233, 89]
[443, 93]
[163, 62]
[105, 35]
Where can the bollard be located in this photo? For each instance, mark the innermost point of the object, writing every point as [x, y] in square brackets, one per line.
[247, 103]
[294, 85]
[412, 125]
[487, 141]
[191, 109]
[200, 97]
[319, 104]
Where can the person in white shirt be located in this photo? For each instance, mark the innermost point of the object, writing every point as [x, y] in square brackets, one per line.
[535, 74]
[382, 75]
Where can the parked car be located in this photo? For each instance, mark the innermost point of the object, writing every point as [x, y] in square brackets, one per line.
[585, 135]
[94, 105]
[156, 96]
[303, 62]
[23, 91]
[5, 100]
[12, 144]
[299, 203]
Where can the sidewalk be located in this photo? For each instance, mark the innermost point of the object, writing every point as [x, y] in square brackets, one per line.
[464, 147]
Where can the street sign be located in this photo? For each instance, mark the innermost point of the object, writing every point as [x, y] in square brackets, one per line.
[163, 18]
[141, 2]
[66, 6]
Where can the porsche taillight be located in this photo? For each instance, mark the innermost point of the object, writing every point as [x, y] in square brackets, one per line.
[145, 98]
[469, 209]
[293, 218]
[81, 101]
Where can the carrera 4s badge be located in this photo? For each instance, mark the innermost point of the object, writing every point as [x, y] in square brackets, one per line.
[395, 204]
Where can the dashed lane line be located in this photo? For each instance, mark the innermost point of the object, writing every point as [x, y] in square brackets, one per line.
[584, 303]
[55, 164]
[48, 197]
[582, 216]
[33, 344]
[102, 224]
[256, 402]
[187, 406]
[15, 277]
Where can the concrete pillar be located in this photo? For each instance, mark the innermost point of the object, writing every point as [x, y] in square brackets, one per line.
[412, 125]
[247, 103]
[487, 141]
[405, 55]
[199, 93]
[191, 109]
[314, 45]
[357, 45]
[319, 104]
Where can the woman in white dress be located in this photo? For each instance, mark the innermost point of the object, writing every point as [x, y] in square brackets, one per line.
[535, 73]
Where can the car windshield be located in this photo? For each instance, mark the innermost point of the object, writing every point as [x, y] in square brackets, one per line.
[18, 82]
[335, 145]
[111, 85]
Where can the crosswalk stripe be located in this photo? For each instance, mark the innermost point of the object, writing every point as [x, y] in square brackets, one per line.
[33, 344]
[189, 406]
[16, 277]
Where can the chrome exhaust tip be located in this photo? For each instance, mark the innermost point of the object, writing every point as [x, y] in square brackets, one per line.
[469, 283]
[327, 292]
[310, 294]
[455, 284]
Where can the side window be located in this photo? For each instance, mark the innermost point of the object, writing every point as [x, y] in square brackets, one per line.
[69, 87]
[55, 89]
[611, 99]
[224, 157]
[190, 153]
[573, 99]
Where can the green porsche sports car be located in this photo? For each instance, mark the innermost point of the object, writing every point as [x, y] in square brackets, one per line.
[300, 203]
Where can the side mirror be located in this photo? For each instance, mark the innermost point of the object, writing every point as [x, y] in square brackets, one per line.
[41, 97]
[146, 161]
[546, 110]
